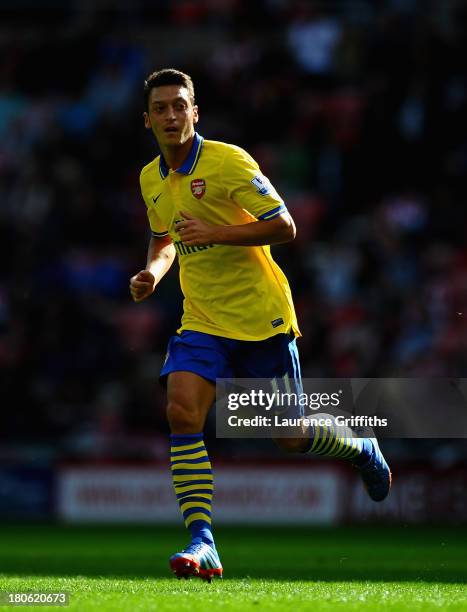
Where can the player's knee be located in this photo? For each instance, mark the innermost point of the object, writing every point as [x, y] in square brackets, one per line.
[291, 445]
[182, 419]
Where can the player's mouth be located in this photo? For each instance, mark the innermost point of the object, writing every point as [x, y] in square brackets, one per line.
[171, 130]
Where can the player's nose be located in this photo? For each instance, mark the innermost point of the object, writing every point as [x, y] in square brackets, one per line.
[171, 116]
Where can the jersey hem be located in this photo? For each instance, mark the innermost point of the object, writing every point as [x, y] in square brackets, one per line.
[222, 333]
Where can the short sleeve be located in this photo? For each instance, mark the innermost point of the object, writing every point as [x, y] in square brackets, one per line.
[248, 187]
[158, 229]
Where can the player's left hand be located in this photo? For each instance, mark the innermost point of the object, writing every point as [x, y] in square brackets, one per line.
[193, 231]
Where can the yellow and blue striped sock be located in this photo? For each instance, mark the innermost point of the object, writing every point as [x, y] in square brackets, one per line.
[193, 483]
[339, 441]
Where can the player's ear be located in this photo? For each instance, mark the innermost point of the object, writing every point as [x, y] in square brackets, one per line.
[147, 123]
[195, 114]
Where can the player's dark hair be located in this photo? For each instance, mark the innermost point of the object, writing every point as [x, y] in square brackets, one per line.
[168, 76]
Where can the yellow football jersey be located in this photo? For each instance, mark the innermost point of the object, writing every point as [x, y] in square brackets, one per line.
[231, 291]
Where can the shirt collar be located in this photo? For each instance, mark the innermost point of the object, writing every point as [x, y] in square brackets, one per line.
[190, 162]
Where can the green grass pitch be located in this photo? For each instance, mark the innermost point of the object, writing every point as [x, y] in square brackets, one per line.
[126, 568]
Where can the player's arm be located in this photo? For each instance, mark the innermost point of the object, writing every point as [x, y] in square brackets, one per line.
[243, 185]
[195, 232]
[161, 253]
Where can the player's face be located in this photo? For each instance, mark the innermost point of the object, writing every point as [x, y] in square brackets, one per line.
[171, 115]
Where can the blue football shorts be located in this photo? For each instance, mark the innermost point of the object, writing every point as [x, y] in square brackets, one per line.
[215, 357]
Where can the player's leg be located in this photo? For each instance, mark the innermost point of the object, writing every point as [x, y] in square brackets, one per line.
[190, 398]
[278, 358]
[193, 363]
[364, 453]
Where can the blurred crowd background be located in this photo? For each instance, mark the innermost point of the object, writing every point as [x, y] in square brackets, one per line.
[356, 111]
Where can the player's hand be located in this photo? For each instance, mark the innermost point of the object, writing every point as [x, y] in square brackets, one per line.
[193, 231]
[142, 285]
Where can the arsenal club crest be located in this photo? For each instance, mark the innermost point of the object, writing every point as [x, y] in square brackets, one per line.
[198, 188]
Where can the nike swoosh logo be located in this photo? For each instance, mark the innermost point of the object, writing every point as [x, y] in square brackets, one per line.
[155, 199]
